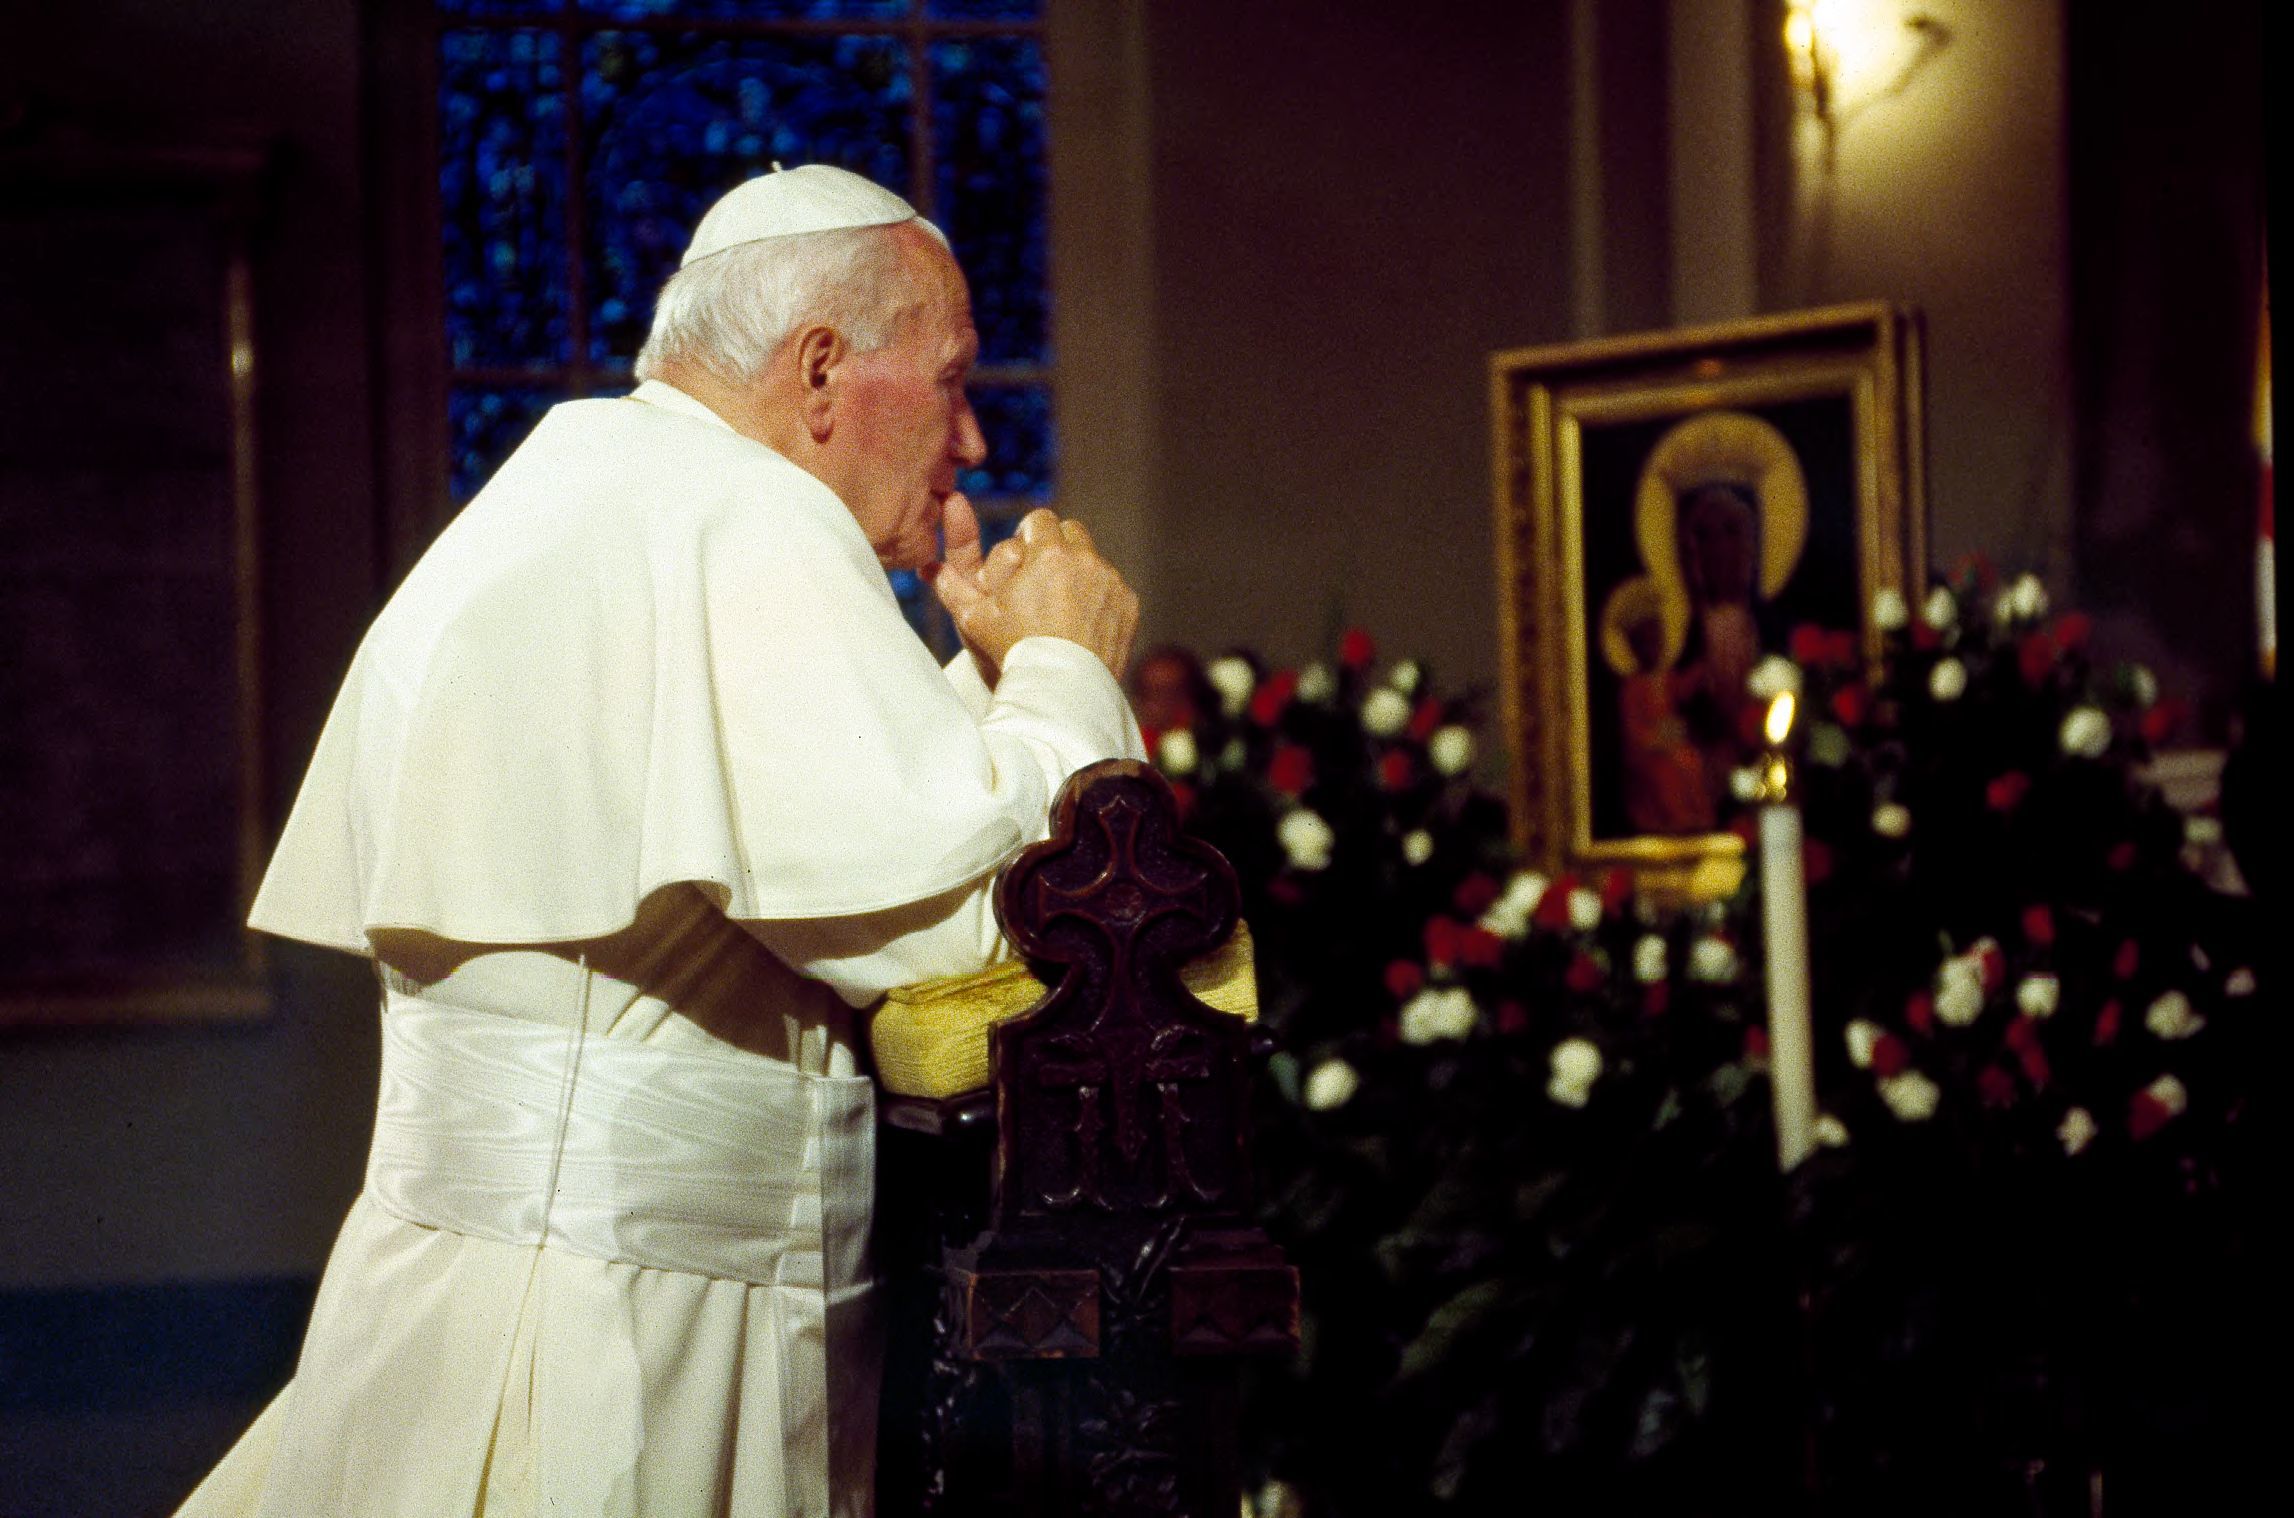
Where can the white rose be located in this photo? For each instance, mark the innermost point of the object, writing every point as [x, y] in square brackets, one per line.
[1231, 677]
[1948, 680]
[1891, 819]
[1649, 959]
[1234, 755]
[1744, 782]
[1417, 846]
[1584, 910]
[1317, 683]
[2170, 1094]
[2171, 1017]
[2026, 599]
[1306, 838]
[1405, 676]
[2038, 995]
[1576, 1066]
[1911, 1096]
[1451, 749]
[1889, 612]
[2202, 831]
[2142, 685]
[1939, 610]
[1831, 1133]
[1386, 713]
[1437, 1013]
[2239, 982]
[1177, 752]
[1276, 1499]
[1959, 990]
[2076, 1131]
[1332, 1085]
[1712, 960]
[1863, 1038]
[1828, 745]
[1772, 677]
[2086, 733]
[1508, 916]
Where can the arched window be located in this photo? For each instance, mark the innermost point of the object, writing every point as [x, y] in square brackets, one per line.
[580, 140]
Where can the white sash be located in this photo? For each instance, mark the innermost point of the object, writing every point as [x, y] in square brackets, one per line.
[734, 1167]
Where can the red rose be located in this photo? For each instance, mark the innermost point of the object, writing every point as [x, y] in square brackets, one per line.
[1584, 974]
[1616, 891]
[1480, 948]
[2107, 1025]
[2160, 722]
[2128, 960]
[2035, 1067]
[1152, 737]
[1995, 1087]
[1994, 966]
[1404, 979]
[1925, 638]
[2122, 856]
[1889, 1056]
[1291, 770]
[1552, 912]
[2022, 1034]
[1816, 861]
[1272, 696]
[1512, 1017]
[1752, 724]
[2146, 1115]
[1920, 1013]
[2035, 657]
[1851, 704]
[2006, 793]
[1655, 998]
[2072, 632]
[1755, 1044]
[2039, 925]
[1475, 895]
[1356, 650]
[1441, 936]
[1425, 718]
[1394, 770]
[1840, 649]
[1807, 644]
[1747, 827]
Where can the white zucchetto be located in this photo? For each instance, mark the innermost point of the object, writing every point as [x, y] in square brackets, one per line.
[812, 198]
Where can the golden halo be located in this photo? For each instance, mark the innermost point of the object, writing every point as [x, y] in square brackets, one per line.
[1723, 448]
[1635, 600]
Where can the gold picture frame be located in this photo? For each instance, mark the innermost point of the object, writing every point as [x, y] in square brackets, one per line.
[1669, 506]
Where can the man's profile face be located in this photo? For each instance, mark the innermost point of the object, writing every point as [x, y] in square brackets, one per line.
[910, 417]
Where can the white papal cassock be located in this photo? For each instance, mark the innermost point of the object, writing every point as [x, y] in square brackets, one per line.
[635, 789]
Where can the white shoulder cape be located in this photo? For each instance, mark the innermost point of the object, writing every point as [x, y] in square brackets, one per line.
[649, 651]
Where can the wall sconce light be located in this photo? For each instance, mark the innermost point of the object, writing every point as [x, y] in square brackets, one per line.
[1846, 54]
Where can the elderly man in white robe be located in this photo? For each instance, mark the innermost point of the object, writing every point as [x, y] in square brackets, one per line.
[637, 789]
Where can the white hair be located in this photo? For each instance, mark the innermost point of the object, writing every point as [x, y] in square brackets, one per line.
[730, 312]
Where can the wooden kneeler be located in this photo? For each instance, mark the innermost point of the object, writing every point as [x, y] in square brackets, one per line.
[1070, 1264]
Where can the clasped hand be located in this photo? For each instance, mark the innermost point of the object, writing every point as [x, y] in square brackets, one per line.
[1046, 581]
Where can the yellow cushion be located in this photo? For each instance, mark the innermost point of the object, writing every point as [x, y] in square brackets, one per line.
[931, 1039]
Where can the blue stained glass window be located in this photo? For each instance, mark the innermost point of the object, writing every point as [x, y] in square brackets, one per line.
[672, 122]
[501, 192]
[459, 8]
[748, 10]
[488, 423]
[988, 172]
[1017, 422]
[985, 10]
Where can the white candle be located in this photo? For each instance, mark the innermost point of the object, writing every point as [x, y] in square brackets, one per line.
[1791, 1043]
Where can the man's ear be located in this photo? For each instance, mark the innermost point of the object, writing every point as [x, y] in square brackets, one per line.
[819, 352]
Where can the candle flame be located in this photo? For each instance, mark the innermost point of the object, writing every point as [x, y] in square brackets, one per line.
[1780, 714]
